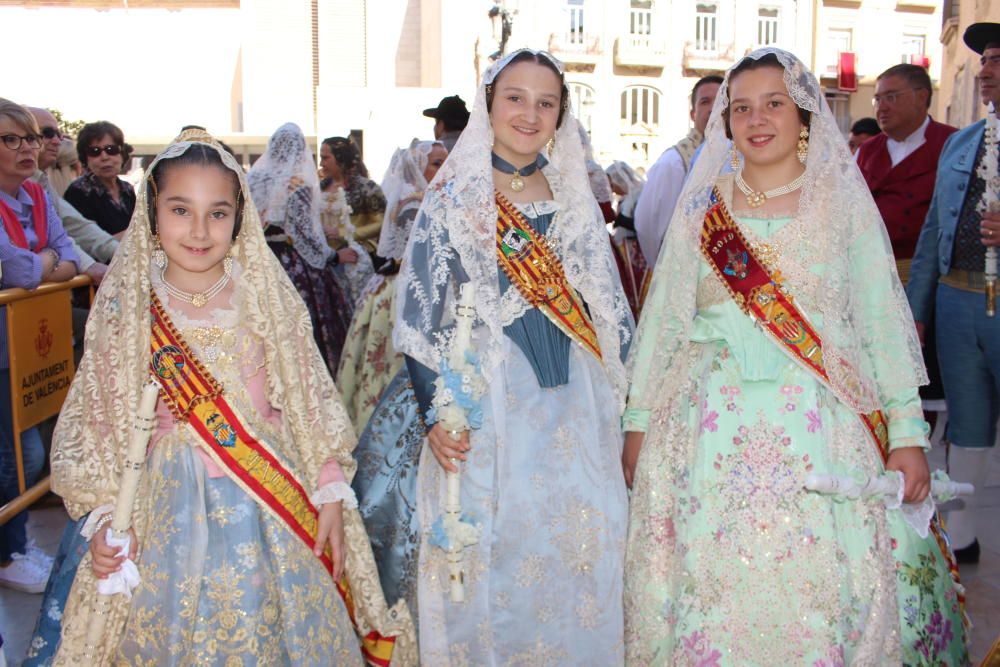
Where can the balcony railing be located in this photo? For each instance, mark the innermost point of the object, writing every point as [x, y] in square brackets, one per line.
[640, 51]
[640, 47]
[640, 22]
[576, 47]
[699, 57]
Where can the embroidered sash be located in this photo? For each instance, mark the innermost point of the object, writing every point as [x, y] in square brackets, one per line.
[39, 217]
[196, 397]
[763, 297]
[533, 268]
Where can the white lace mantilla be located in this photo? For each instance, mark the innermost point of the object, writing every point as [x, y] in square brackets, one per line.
[454, 241]
[869, 340]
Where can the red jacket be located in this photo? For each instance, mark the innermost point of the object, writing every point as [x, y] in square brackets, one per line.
[903, 193]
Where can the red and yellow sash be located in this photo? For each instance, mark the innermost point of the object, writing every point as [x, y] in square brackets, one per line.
[193, 395]
[762, 296]
[536, 272]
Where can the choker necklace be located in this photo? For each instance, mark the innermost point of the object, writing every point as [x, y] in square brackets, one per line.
[755, 199]
[199, 299]
[517, 183]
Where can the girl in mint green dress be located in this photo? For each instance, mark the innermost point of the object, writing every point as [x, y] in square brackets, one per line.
[739, 395]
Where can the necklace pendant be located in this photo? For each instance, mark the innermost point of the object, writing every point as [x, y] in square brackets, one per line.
[756, 199]
[516, 183]
[199, 300]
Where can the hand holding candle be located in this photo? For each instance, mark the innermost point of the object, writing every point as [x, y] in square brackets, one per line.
[127, 577]
[456, 409]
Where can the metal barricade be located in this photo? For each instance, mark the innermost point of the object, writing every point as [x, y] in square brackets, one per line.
[40, 348]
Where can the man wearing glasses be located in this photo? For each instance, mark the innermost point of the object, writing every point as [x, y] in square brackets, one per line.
[947, 286]
[94, 245]
[900, 164]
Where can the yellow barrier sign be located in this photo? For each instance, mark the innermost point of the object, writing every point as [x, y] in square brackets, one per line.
[40, 339]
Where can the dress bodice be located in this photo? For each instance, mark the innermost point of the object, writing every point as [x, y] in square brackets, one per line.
[545, 346]
[718, 317]
[233, 355]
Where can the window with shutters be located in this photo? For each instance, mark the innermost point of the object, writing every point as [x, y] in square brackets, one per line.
[767, 26]
[582, 99]
[705, 24]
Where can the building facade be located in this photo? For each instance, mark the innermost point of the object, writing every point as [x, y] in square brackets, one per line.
[876, 34]
[368, 67]
[958, 101]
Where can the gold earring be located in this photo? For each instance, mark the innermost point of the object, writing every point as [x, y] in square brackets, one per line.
[159, 257]
[734, 158]
[550, 146]
[802, 148]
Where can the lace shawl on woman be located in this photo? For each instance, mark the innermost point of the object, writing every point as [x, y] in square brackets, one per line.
[458, 220]
[285, 188]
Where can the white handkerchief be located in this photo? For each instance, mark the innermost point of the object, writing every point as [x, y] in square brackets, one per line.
[127, 578]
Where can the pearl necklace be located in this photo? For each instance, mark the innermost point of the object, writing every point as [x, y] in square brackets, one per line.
[755, 199]
[199, 299]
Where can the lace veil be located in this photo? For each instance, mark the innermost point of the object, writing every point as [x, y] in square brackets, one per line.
[285, 188]
[404, 187]
[95, 424]
[626, 178]
[858, 305]
[454, 241]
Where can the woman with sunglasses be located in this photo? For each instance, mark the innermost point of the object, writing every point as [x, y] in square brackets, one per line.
[100, 195]
[34, 248]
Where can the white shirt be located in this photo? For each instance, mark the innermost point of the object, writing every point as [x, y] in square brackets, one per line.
[900, 150]
[655, 207]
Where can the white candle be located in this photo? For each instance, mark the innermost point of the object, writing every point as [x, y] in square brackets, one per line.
[988, 171]
[135, 457]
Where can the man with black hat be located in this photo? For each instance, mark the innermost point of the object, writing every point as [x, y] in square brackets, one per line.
[946, 283]
[451, 117]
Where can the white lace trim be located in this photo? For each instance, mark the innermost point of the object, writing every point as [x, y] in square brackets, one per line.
[284, 186]
[454, 241]
[870, 345]
[335, 492]
[90, 526]
[404, 180]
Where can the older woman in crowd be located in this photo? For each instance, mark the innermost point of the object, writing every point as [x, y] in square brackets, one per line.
[34, 248]
[100, 195]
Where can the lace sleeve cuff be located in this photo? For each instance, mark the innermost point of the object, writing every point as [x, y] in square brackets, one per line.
[635, 420]
[96, 520]
[907, 427]
[908, 432]
[335, 492]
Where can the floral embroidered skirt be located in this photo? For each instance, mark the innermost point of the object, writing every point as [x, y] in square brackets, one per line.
[388, 452]
[731, 562]
[224, 582]
[543, 586]
[369, 361]
[329, 306]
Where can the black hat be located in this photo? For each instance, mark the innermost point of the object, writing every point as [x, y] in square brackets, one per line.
[979, 36]
[451, 110]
